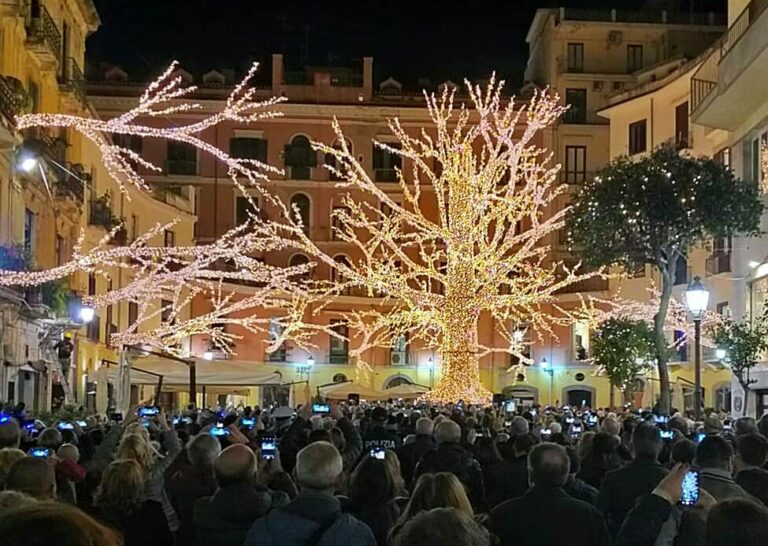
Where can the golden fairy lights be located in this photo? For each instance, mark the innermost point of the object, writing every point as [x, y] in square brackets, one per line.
[466, 236]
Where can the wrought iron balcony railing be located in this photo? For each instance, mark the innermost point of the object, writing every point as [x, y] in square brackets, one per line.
[42, 30]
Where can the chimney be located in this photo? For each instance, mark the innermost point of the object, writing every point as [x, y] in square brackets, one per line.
[368, 77]
[277, 73]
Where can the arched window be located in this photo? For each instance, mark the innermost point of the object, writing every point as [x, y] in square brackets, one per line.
[331, 160]
[339, 378]
[301, 202]
[397, 381]
[300, 259]
[337, 276]
[300, 157]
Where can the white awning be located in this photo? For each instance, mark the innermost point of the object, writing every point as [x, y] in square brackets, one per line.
[225, 373]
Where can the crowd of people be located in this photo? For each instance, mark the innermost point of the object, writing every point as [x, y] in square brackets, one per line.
[385, 474]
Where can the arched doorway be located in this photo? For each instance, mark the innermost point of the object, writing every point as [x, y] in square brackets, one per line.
[524, 396]
[579, 396]
[397, 381]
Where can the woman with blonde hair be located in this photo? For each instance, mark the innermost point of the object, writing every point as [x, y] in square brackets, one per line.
[393, 466]
[137, 448]
[120, 503]
[8, 456]
[441, 490]
[53, 523]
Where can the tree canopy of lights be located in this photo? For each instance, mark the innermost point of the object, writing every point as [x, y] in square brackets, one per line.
[467, 236]
[623, 349]
[744, 344]
[652, 210]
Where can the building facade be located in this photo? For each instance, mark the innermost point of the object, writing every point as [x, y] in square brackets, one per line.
[363, 109]
[726, 99]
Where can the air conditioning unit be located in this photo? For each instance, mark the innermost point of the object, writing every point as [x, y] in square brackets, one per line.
[398, 358]
[597, 85]
[615, 37]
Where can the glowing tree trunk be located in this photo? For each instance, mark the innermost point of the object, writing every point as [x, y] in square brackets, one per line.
[460, 360]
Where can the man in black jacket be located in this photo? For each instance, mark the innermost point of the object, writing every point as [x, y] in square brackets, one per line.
[225, 518]
[546, 514]
[451, 457]
[621, 488]
[411, 454]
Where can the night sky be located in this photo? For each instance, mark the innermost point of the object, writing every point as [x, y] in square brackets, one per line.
[407, 38]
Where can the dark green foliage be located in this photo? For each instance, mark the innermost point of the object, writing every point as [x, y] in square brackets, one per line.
[624, 349]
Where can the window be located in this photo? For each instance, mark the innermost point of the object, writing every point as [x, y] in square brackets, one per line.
[580, 340]
[169, 238]
[134, 227]
[723, 309]
[34, 96]
[681, 126]
[131, 142]
[301, 203]
[92, 284]
[248, 148]
[681, 351]
[754, 162]
[576, 99]
[339, 346]
[133, 313]
[110, 327]
[385, 163]
[575, 57]
[337, 276]
[723, 157]
[637, 137]
[332, 161]
[681, 271]
[29, 231]
[182, 158]
[166, 311]
[723, 398]
[575, 164]
[337, 222]
[634, 57]
[244, 208]
[275, 332]
[300, 157]
[59, 249]
[64, 63]
[299, 260]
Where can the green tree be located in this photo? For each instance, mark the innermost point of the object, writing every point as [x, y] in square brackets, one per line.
[743, 342]
[623, 348]
[652, 211]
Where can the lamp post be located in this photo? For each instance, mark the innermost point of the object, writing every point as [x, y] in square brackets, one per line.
[431, 366]
[548, 369]
[305, 368]
[696, 299]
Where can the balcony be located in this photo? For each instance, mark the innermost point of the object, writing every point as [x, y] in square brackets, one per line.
[181, 167]
[43, 36]
[100, 214]
[594, 284]
[718, 263]
[12, 97]
[70, 184]
[728, 86]
[641, 16]
[72, 80]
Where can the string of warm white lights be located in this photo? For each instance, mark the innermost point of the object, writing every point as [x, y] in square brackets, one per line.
[484, 251]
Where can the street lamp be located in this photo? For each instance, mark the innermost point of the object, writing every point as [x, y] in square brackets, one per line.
[208, 355]
[305, 368]
[548, 369]
[431, 366]
[696, 299]
[87, 313]
[720, 354]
